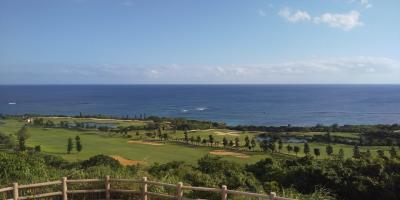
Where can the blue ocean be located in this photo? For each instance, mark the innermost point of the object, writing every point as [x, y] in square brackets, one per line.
[233, 104]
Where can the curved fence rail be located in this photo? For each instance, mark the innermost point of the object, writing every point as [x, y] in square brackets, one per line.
[63, 193]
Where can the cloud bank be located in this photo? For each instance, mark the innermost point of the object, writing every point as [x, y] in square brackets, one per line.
[333, 70]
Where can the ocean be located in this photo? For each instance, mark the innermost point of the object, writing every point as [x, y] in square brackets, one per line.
[304, 105]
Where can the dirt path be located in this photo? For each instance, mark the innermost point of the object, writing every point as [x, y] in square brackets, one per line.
[229, 153]
[219, 133]
[126, 162]
[144, 142]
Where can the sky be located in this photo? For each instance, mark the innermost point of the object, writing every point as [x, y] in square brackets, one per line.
[199, 42]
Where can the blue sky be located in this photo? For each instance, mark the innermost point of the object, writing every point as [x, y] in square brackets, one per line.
[199, 42]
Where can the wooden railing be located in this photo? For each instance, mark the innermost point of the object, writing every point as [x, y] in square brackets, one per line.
[142, 192]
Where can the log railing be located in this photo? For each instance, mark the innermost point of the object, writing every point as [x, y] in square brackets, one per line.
[143, 192]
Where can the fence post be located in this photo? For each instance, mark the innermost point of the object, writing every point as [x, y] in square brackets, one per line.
[272, 195]
[224, 192]
[179, 191]
[144, 188]
[108, 187]
[64, 188]
[15, 191]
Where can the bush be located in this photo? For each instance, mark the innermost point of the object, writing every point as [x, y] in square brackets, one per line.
[100, 160]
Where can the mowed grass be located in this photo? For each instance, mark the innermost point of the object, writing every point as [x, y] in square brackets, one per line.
[118, 122]
[339, 134]
[54, 141]
[219, 134]
[348, 149]
[11, 126]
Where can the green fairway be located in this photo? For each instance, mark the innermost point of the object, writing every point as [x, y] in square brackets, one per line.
[11, 126]
[108, 121]
[219, 134]
[338, 134]
[54, 141]
[348, 149]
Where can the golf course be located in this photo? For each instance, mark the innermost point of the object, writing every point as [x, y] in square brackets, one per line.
[144, 147]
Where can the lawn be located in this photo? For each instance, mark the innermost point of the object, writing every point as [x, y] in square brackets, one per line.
[54, 141]
[219, 134]
[112, 121]
[348, 149]
[11, 126]
[339, 134]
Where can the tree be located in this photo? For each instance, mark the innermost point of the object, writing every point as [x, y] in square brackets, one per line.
[204, 141]
[237, 142]
[306, 148]
[211, 139]
[160, 133]
[328, 136]
[70, 145]
[224, 142]
[186, 136]
[198, 139]
[329, 150]
[38, 148]
[368, 153]
[78, 143]
[289, 148]
[191, 139]
[296, 149]
[247, 141]
[165, 136]
[230, 143]
[341, 154]
[23, 134]
[21, 143]
[356, 152]
[253, 143]
[272, 147]
[392, 152]
[317, 152]
[280, 145]
[264, 145]
[389, 142]
[381, 153]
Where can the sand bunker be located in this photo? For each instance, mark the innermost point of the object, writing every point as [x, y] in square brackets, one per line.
[144, 142]
[126, 162]
[229, 153]
[226, 133]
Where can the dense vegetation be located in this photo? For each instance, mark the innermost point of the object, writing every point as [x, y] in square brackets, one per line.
[361, 178]
[330, 164]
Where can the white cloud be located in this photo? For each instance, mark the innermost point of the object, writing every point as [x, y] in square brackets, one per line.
[293, 17]
[364, 3]
[317, 70]
[343, 21]
[262, 13]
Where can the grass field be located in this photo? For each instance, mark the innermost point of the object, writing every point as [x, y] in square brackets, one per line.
[11, 126]
[54, 141]
[112, 121]
[339, 134]
[348, 149]
[219, 134]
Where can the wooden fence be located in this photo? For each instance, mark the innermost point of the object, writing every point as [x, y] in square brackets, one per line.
[142, 192]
